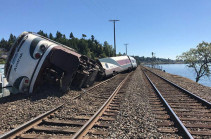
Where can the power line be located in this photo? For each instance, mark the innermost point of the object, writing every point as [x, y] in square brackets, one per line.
[114, 21]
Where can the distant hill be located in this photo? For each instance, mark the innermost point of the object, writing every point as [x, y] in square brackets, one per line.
[155, 60]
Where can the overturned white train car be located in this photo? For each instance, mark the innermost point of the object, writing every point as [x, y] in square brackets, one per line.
[114, 65]
[35, 60]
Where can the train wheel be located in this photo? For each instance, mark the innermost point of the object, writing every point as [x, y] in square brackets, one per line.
[114, 73]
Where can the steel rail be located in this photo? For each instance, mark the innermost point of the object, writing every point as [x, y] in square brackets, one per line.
[203, 101]
[178, 122]
[26, 126]
[90, 123]
[89, 89]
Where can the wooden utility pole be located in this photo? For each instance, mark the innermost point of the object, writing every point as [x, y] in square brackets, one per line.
[114, 21]
[126, 44]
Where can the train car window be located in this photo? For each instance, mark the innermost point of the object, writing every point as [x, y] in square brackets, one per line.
[106, 65]
[33, 46]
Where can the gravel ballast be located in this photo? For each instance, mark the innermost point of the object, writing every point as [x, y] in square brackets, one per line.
[196, 88]
[135, 119]
[19, 108]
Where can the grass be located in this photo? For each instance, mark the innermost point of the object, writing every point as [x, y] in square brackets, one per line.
[2, 61]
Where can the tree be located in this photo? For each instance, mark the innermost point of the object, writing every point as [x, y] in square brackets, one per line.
[83, 36]
[107, 49]
[58, 36]
[199, 59]
[51, 36]
[12, 38]
[71, 35]
[3, 43]
[10, 42]
[119, 54]
[42, 33]
[83, 47]
[92, 38]
[63, 36]
[90, 47]
[99, 50]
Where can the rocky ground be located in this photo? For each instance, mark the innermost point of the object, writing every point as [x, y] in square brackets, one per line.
[198, 89]
[17, 109]
[135, 119]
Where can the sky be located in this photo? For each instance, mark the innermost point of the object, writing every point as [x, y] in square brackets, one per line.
[166, 27]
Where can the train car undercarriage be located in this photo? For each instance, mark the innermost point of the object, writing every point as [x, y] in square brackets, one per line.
[67, 69]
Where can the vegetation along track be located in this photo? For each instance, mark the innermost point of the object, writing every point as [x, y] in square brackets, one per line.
[187, 112]
[86, 125]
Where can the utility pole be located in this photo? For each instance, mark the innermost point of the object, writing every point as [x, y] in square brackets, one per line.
[126, 47]
[153, 60]
[114, 21]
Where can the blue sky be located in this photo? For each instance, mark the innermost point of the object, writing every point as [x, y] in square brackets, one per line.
[165, 27]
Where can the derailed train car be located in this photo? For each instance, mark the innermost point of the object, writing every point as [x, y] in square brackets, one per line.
[115, 65]
[35, 60]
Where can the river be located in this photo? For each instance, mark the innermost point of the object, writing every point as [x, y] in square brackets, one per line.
[183, 70]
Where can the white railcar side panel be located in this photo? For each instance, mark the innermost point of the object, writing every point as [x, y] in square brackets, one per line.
[119, 58]
[38, 68]
[110, 68]
[21, 59]
[133, 61]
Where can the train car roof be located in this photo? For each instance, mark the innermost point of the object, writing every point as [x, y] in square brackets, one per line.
[116, 58]
[132, 57]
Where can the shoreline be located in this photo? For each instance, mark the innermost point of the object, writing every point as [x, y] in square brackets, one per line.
[185, 72]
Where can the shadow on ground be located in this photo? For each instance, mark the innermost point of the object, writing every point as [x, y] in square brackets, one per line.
[41, 93]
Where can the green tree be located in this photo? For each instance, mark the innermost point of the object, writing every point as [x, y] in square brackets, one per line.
[92, 38]
[3, 44]
[51, 36]
[58, 36]
[10, 42]
[91, 47]
[71, 35]
[98, 51]
[83, 47]
[83, 36]
[42, 33]
[12, 38]
[119, 54]
[108, 50]
[199, 59]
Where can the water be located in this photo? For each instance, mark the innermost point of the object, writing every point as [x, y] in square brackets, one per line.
[1, 68]
[183, 70]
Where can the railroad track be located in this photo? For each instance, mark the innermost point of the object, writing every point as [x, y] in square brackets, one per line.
[178, 110]
[84, 125]
[93, 87]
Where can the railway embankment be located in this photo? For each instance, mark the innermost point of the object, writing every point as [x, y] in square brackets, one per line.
[136, 115]
[18, 109]
[190, 85]
[135, 118]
